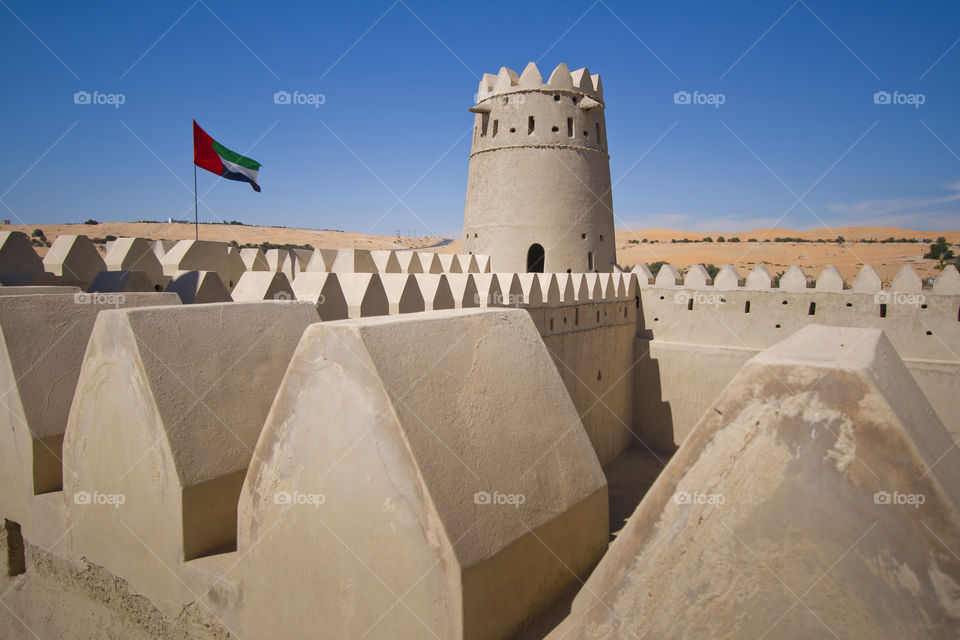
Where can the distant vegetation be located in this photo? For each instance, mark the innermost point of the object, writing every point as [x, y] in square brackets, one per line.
[941, 252]
[655, 267]
[269, 245]
[837, 240]
[38, 239]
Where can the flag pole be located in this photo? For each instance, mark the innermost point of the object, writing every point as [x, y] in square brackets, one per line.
[196, 217]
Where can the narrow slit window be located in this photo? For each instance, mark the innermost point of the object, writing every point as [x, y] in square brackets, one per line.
[496, 127]
[746, 307]
[569, 127]
[690, 304]
[530, 125]
[589, 260]
[883, 310]
[812, 311]
[484, 123]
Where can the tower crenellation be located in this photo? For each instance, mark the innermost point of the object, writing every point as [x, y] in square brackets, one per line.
[538, 192]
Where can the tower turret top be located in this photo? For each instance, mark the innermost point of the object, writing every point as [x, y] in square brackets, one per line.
[507, 81]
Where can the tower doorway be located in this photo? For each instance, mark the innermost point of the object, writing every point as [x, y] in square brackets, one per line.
[535, 259]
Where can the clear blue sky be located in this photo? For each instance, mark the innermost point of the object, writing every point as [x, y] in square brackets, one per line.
[388, 148]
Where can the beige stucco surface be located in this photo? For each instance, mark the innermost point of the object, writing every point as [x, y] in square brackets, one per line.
[134, 254]
[767, 521]
[169, 408]
[16, 253]
[399, 435]
[539, 174]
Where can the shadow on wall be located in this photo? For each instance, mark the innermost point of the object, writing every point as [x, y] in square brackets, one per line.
[652, 417]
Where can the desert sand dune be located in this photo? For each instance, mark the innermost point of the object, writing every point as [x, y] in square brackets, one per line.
[848, 257]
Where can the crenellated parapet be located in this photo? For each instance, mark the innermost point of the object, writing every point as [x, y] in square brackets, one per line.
[694, 327]
[523, 111]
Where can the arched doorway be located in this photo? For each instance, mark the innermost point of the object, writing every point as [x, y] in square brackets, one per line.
[535, 259]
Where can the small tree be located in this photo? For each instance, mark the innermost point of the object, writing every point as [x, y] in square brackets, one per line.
[91, 221]
[708, 239]
[721, 239]
[840, 240]
[655, 267]
[941, 252]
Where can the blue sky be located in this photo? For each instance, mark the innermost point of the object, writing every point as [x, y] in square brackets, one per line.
[798, 142]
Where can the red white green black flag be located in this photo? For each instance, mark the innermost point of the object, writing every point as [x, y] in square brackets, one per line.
[214, 157]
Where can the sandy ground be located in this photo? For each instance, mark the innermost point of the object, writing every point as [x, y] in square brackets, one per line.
[225, 233]
[848, 257]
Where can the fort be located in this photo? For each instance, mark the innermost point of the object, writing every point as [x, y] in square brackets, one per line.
[523, 440]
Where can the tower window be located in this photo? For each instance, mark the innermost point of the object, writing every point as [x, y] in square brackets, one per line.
[535, 258]
[530, 125]
[513, 129]
[556, 98]
[484, 121]
[569, 127]
[586, 134]
[589, 260]
[554, 129]
[496, 127]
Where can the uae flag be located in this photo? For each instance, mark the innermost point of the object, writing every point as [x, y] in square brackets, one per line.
[214, 157]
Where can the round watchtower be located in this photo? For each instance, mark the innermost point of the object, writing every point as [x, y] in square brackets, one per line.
[538, 190]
